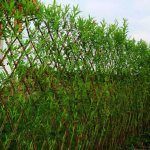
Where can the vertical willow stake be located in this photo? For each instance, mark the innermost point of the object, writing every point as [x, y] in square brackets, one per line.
[1, 41]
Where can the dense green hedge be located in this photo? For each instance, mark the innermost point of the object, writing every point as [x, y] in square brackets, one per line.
[77, 84]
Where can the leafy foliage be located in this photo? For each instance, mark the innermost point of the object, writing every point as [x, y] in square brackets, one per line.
[74, 83]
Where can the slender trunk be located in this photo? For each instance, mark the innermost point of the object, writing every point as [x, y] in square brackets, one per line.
[1, 44]
[1, 41]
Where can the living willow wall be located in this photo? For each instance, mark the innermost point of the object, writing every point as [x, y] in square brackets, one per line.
[73, 83]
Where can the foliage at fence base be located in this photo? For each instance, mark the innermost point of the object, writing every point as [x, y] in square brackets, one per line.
[75, 114]
[140, 141]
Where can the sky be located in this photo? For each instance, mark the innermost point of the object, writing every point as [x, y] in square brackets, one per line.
[137, 12]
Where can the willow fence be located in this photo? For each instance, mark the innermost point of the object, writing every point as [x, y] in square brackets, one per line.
[69, 82]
